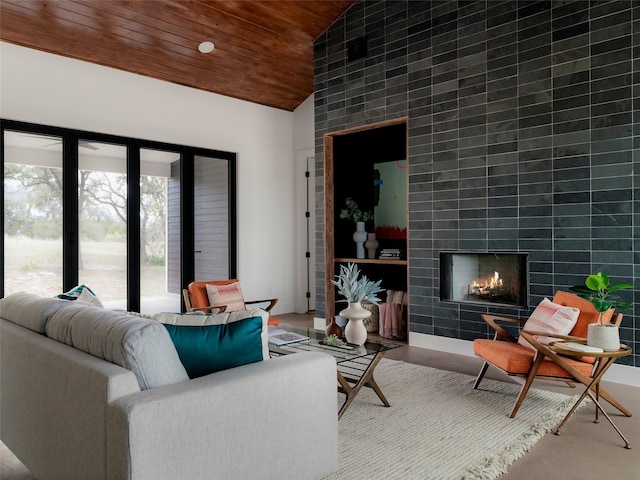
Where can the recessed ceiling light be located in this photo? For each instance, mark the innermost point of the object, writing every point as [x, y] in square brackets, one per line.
[206, 47]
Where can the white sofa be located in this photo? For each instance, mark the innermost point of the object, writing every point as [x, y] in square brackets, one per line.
[67, 414]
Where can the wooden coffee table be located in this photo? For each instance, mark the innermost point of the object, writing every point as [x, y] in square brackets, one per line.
[355, 366]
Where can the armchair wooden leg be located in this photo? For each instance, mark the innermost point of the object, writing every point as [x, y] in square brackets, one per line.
[525, 387]
[483, 370]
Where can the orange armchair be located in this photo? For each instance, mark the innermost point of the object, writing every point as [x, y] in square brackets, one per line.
[526, 364]
[227, 296]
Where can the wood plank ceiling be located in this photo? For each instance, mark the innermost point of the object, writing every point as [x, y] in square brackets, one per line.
[263, 48]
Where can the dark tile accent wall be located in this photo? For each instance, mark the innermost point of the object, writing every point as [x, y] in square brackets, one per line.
[524, 136]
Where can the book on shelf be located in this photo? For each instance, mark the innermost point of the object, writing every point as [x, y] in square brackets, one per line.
[282, 337]
[390, 253]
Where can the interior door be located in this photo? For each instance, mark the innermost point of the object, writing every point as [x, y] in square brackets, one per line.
[305, 285]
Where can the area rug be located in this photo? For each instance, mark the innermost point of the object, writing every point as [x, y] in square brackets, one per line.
[438, 427]
[11, 468]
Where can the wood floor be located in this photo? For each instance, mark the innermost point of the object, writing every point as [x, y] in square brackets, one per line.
[584, 450]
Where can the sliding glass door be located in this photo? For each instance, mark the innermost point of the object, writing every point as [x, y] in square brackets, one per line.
[32, 227]
[134, 220]
[102, 207]
[157, 291]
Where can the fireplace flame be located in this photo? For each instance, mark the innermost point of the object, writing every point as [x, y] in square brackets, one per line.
[488, 286]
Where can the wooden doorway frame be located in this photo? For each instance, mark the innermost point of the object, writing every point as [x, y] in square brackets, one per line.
[329, 230]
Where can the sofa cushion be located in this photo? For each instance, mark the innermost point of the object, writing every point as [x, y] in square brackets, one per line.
[29, 310]
[516, 359]
[552, 318]
[206, 349]
[198, 318]
[201, 319]
[142, 346]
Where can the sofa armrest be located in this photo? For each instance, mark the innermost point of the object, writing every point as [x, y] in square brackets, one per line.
[275, 419]
[53, 401]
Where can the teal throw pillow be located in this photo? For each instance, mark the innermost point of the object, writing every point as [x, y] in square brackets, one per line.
[82, 295]
[205, 349]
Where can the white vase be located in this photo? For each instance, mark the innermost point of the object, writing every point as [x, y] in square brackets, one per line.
[355, 331]
[359, 236]
[371, 245]
[606, 337]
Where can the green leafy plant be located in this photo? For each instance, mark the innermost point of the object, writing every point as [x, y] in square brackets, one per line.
[596, 290]
[334, 341]
[355, 288]
[353, 212]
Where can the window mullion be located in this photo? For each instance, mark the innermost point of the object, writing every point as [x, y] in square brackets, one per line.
[70, 221]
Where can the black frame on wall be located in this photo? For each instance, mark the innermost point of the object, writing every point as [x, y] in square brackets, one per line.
[70, 144]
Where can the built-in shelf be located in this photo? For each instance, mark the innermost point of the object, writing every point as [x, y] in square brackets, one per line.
[370, 154]
[379, 261]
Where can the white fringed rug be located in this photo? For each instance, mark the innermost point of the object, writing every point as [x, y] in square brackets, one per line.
[438, 427]
[11, 468]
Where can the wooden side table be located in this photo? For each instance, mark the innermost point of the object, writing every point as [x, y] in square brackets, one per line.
[603, 361]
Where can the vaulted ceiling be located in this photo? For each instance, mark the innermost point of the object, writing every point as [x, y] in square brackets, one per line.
[263, 48]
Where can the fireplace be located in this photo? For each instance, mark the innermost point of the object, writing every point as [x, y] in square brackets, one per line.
[486, 278]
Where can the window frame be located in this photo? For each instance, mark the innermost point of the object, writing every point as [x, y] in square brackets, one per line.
[70, 221]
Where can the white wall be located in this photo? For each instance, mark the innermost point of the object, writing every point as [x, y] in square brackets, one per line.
[304, 193]
[52, 90]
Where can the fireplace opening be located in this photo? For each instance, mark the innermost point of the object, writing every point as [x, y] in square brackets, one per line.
[496, 278]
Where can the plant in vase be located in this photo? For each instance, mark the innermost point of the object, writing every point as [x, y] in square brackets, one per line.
[353, 212]
[596, 289]
[355, 288]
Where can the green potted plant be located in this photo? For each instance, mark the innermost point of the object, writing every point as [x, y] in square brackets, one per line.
[353, 212]
[599, 292]
[356, 288]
